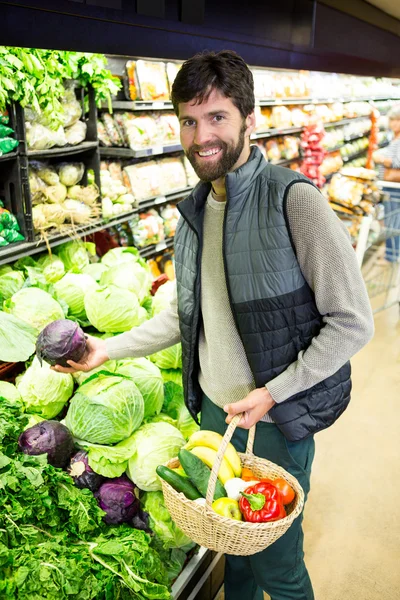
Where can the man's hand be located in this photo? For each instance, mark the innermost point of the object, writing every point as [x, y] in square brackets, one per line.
[95, 355]
[253, 407]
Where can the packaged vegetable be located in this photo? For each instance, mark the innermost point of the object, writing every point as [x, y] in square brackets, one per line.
[56, 193]
[5, 131]
[152, 80]
[145, 179]
[45, 172]
[102, 134]
[86, 194]
[40, 137]
[113, 130]
[7, 145]
[173, 175]
[76, 133]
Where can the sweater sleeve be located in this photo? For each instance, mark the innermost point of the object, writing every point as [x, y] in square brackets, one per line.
[160, 332]
[328, 263]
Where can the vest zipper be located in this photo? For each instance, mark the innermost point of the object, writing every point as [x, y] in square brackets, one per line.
[190, 358]
[228, 287]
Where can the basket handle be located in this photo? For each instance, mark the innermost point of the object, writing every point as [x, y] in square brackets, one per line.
[220, 454]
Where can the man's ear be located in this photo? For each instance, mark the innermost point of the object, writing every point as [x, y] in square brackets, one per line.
[250, 123]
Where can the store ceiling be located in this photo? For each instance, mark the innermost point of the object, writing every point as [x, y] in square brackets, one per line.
[391, 7]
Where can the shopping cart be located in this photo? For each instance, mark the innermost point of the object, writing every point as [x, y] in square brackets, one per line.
[378, 250]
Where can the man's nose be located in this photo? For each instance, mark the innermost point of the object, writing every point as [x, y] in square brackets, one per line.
[202, 135]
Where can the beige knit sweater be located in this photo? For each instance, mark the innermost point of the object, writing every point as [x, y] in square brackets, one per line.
[328, 263]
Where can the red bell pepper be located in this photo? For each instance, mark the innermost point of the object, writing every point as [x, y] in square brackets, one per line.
[261, 503]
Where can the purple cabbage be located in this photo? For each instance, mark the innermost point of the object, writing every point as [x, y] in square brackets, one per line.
[51, 438]
[118, 499]
[60, 341]
[82, 474]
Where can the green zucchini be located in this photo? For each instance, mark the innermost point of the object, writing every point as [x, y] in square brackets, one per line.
[179, 483]
[199, 474]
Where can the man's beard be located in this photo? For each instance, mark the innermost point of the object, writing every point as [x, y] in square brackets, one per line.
[229, 156]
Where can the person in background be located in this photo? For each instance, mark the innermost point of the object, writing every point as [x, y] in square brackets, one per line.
[270, 303]
[388, 161]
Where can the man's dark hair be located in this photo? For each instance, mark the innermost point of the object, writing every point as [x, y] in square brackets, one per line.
[224, 71]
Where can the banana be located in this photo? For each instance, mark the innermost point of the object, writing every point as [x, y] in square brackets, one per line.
[208, 456]
[212, 439]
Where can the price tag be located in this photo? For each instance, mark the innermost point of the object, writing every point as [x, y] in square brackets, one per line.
[161, 246]
[158, 105]
[157, 150]
[160, 200]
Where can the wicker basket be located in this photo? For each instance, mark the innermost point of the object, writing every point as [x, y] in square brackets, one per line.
[207, 528]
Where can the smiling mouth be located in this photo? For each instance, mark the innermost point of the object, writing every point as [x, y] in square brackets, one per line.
[208, 153]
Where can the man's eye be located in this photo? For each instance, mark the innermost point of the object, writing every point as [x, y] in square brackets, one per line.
[188, 123]
[219, 118]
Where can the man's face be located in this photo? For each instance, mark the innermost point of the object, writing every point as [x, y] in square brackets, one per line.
[214, 135]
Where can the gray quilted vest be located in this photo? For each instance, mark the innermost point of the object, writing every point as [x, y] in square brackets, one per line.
[273, 306]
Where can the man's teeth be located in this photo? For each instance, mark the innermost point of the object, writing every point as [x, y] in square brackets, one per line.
[209, 152]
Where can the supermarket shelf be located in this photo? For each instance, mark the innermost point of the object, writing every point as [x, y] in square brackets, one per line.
[354, 156]
[189, 571]
[345, 121]
[291, 101]
[8, 156]
[275, 132]
[155, 201]
[140, 105]
[65, 151]
[142, 153]
[346, 140]
[286, 161]
[154, 249]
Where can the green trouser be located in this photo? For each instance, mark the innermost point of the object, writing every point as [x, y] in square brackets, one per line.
[279, 570]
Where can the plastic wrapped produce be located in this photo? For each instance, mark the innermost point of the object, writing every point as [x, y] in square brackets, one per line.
[191, 176]
[72, 110]
[170, 215]
[145, 179]
[173, 175]
[142, 131]
[147, 80]
[168, 126]
[148, 229]
[40, 137]
[113, 130]
[76, 133]
[45, 172]
[172, 71]
[102, 134]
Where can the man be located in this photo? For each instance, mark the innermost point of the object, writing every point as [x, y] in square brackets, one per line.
[270, 303]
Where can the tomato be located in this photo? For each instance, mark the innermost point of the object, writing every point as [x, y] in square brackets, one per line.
[284, 488]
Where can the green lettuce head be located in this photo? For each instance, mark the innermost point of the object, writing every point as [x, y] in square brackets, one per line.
[105, 410]
[148, 379]
[34, 306]
[72, 289]
[152, 445]
[175, 407]
[52, 267]
[10, 392]
[130, 276]
[117, 256]
[44, 391]
[75, 255]
[113, 310]
[161, 522]
[170, 358]
[10, 283]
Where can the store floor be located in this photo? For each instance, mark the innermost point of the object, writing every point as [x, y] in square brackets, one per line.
[352, 521]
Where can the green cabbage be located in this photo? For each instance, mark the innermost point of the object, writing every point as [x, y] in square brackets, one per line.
[72, 289]
[34, 306]
[105, 410]
[117, 256]
[112, 309]
[10, 392]
[81, 376]
[170, 358]
[174, 375]
[75, 255]
[148, 379]
[44, 391]
[17, 339]
[152, 445]
[52, 267]
[161, 522]
[95, 270]
[174, 406]
[162, 297]
[10, 283]
[130, 276]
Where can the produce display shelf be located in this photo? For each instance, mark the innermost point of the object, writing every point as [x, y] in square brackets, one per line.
[155, 201]
[346, 140]
[154, 249]
[354, 156]
[8, 156]
[290, 101]
[345, 121]
[140, 105]
[286, 161]
[189, 571]
[275, 132]
[142, 153]
[64, 151]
